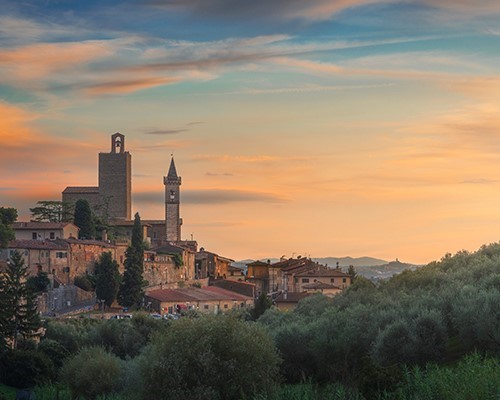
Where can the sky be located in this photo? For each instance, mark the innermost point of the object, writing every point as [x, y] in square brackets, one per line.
[319, 128]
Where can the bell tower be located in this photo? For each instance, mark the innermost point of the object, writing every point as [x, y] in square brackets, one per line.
[115, 180]
[173, 221]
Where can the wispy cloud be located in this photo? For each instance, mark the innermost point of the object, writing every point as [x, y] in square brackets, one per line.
[166, 132]
[213, 196]
[219, 174]
[263, 9]
[247, 159]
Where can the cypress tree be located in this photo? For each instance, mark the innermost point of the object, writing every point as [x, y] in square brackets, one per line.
[84, 220]
[107, 279]
[19, 313]
[130, 293]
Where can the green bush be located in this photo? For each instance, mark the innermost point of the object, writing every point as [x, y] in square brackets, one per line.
[25, 368]
[214, 357]
[473, 378]
[85, 283]
[91, 373]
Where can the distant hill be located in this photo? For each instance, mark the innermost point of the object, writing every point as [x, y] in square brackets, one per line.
[372, 268]
[385, 271]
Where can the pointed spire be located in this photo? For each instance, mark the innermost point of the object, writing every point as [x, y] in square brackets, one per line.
[172, 172]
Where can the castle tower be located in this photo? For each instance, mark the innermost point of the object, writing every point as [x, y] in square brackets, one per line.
[115, 179]
[173, 221]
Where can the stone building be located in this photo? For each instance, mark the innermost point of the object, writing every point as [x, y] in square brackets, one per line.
[173, 221]
[211, 265]
[50, 256]
[112, 199]
[44, 230]
[207, 300]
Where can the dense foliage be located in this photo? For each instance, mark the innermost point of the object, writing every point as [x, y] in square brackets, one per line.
[52, 211]
[7, 217]
[210, 358]
[130, 293]
[84, 220]
[429, 334]
[107, 279]
[18, 314]
[366, 336]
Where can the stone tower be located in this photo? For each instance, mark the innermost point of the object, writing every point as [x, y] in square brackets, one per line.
[173, 221]
[115, 179]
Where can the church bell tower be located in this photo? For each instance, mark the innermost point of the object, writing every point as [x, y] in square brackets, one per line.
[173, 220]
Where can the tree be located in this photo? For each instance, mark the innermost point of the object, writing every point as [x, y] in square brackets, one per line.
[91, 373]
[130, 292]
[214, 357]
[107, 279]
[84, 220]
[19, 313]
[261, 305]
[39, 283]
[7, 217]
[352, 272]
[52, 211]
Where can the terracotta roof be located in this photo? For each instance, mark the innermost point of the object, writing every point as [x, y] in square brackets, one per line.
[153, 221]
[323, 272]
[82, 189]
[319, 285]
[164, 295]
[227, 293]
[40, 225]
[169, 249]
[195, 294]
[91, 242]
[291, 297]
[235, 269]
[258, 264]
[38, 244]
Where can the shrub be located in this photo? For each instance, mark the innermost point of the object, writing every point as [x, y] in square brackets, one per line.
[85, 283]
[214, 357]
[92, 372]
[25, 368]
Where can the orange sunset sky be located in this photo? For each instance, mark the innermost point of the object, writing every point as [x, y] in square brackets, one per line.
[320, 128]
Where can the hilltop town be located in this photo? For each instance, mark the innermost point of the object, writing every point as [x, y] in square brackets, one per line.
[179, 274]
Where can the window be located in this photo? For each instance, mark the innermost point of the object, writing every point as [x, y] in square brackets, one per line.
[61, 254]
[344, 280]
[225, 305]
[332, 280]
[205, 306]
[52, 235]
[33, 235]
[305, 280]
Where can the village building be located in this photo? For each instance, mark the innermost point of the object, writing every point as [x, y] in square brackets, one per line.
[209, 299]
[112, 199]
[49, 256]
[258, 274]
[211, 265]
[324, 280]
[235, 273]
[288, 301]
[44, 230]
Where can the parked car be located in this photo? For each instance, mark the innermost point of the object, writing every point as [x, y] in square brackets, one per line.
[171, 316]
[121, 316]
[155, 316]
